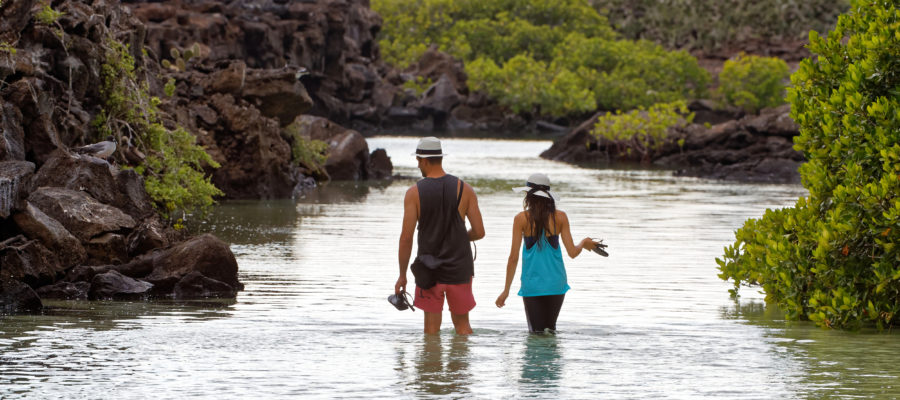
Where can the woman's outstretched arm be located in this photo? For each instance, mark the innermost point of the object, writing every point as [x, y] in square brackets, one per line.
[518, 228]
[563, 220]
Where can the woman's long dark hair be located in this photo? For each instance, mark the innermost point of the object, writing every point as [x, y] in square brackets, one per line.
[541, 212]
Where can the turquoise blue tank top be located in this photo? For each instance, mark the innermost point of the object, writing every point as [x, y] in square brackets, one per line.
[543, 271]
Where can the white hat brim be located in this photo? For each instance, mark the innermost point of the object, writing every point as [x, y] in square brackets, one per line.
[538, 193]
[428, 155]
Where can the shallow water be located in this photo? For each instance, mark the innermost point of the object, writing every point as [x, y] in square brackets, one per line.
[650, 321]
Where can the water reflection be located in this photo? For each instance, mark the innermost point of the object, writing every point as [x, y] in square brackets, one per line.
[442, 368]
[834, 363]
[541, 364]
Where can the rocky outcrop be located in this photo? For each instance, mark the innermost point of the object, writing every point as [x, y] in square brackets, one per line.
[348, 152]
[755, 148]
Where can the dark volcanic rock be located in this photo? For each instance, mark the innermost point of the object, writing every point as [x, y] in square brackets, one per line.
[16, 297]
[204, 254]
[28, 261]
[106, 248]
[348, 152]
[65, 291]
[123, 189]
[12, 136]
[15, 183]
[380, 166]
[115, 286]
[80, 213]
[53, 235]
[194, 285]
[756, 148]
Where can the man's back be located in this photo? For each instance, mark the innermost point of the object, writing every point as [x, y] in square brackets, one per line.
[443, 241]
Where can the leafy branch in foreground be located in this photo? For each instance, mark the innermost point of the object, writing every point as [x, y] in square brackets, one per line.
[833, 258]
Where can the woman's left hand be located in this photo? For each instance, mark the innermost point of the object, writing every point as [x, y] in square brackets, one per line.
[587, 244]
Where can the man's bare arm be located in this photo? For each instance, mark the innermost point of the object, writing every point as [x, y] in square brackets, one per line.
[410, 217]
[474, 215]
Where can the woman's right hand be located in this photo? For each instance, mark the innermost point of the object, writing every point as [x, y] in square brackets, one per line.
[501, 300]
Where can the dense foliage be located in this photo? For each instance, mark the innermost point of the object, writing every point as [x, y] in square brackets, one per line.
[642, 131]
[753, 82]
[833, 258]
[547, 57]
[710, 25]
[173, 167]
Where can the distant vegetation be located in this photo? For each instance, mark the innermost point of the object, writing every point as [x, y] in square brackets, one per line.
[834, 258]
[752, 82]
[540, 57]
[642, 132]
[710, 25]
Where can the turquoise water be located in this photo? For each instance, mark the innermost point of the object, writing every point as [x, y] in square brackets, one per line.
[650, 321]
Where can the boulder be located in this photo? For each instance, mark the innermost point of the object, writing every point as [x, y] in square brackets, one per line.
[16, 297]
[108, 248]
[436, 65]
[28, 261]
[150, 234]
[439, 100]
[53, 235]
[348, 152]
[65, 291]
[204, 254]
[194, 285]
[80, 213]
[15, 182]
[380, 166]
[123, 189]
[114, 286]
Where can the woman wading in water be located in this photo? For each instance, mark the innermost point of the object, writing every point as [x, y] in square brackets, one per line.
[544, 283]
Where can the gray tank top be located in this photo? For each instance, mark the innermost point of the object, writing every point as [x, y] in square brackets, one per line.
[443, 240]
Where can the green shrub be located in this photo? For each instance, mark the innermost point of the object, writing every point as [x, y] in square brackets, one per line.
[309, 153]
[752, 83]
[833, 257]
[547, 57]
[173, 169]
[47, 15]
[642, 131]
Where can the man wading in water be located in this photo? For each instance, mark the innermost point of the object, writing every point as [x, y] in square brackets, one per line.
[443, 266]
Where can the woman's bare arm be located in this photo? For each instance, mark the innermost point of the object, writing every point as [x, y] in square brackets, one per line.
[513, 261]
[566, 235]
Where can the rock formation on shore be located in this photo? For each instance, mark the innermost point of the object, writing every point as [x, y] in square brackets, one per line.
[754, 148]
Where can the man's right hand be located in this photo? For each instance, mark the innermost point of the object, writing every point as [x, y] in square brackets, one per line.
[400, 285]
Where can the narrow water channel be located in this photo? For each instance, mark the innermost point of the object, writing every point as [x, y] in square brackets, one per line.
[651, 321]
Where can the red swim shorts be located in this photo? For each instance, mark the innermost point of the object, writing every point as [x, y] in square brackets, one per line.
[459, 298]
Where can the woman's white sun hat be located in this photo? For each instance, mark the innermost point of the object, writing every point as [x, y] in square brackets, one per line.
[429, 147]
[540, 182]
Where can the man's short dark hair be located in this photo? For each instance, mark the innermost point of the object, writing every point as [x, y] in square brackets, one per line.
[433, 160]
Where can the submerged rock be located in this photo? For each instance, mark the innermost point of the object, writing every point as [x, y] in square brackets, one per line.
[115, 286]
[65, 291]
[16, 297]
[194, 286]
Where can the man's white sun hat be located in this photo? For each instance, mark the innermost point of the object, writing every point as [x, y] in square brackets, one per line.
[541, 183]
[429, 147]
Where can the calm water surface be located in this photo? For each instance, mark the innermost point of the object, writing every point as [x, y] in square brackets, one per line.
[650, 321]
